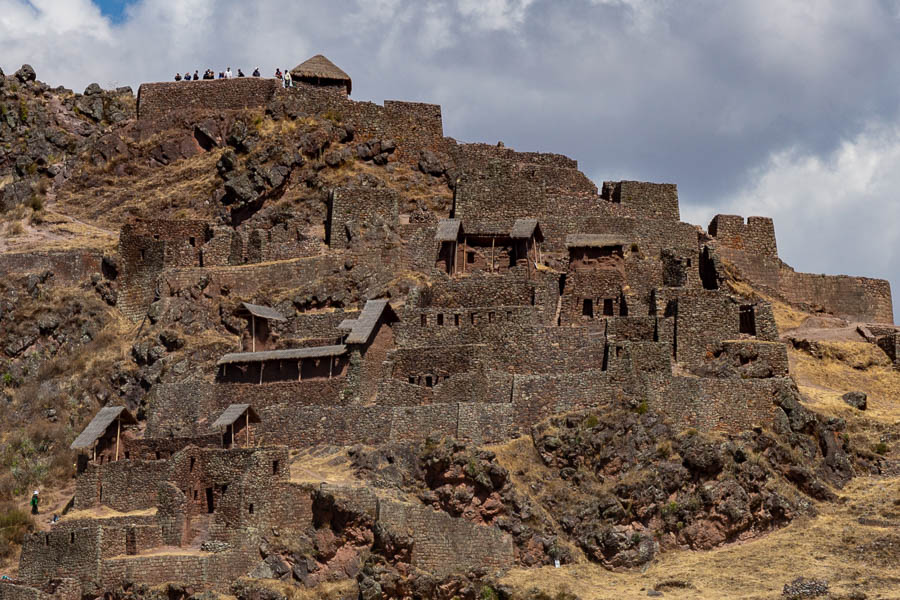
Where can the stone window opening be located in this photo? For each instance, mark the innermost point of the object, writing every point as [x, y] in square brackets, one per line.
[429, 382]
[474, 317]
[456, 320]
[196, 495]
[158, 455]
[46, 540]
[424, 319]
[274, 467]
[587, 308]
[470, 258]
[193, 242]
[747, 320]
[250, 509]
[142, 254]
[490, 317]
[608, 310]
[440, 319]
[509, 315]
[72, 537]
[127, 455]
[210, 501]
[412, 380]
[193, 460]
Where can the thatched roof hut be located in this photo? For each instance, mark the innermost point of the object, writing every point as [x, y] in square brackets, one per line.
[318, 70]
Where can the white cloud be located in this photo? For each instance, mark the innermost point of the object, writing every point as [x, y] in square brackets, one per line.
[833, 214]
[494, 15]
[696, 92]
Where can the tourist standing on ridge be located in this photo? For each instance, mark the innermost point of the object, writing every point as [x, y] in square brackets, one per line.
[278, 75]
[288, 82]
[256, 72]
[34, 502]
[177, 76]
[196, 75]
[228, 74]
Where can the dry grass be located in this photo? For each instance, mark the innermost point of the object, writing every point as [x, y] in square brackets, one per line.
[326, 591]
[104, 512]
[317, 466]
[180, 190]
[848, 366]
[830, 546]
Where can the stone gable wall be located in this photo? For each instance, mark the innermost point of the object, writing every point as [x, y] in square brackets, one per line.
[123, 485]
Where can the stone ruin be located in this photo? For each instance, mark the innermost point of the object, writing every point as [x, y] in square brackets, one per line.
[544, 295]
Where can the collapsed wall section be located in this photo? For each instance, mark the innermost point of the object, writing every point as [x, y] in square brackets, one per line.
[750, 246]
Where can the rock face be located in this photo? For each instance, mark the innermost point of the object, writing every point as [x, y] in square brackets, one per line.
[26, 74]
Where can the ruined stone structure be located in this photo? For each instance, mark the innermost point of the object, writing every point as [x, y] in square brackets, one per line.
[541, 295]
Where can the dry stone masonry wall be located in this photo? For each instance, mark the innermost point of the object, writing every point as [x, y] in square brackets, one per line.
[617, 300]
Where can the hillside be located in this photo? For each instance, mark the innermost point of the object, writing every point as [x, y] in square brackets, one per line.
[310, 347]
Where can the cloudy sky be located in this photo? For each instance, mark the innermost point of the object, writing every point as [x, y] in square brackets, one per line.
[753, 107]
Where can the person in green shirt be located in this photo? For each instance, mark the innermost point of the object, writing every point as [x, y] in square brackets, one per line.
[34, 503]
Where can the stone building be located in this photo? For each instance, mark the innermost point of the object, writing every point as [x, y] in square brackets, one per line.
[537, 294]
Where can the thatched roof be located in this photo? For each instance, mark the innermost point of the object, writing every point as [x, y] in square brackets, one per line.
[233, 412]
[289, 354]
[319, 67]
[523, 229]
[594, 240]
[99, 424]
[447, 230]
[263, 312]
[364, 325]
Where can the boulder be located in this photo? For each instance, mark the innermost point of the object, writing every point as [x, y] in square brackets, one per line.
[856, 399]
[432, 164]
[26, 74]
[93, 89]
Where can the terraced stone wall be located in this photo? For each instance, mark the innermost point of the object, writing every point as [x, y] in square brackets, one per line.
[443, 544]
[156, 100]
[67, 266]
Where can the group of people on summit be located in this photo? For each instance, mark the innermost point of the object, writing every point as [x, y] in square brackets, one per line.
[284, 76]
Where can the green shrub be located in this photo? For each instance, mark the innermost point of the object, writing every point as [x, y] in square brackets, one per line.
[642, 408]
[14, 524]
[590, 422]
[881, 448]
[488, 593]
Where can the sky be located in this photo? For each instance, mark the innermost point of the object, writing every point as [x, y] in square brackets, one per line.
[753, 107]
